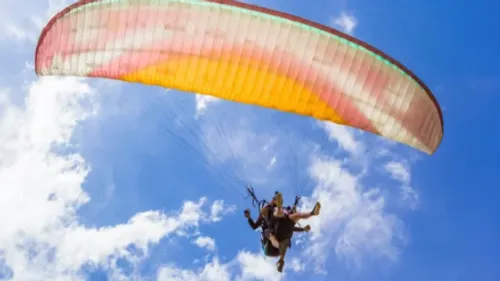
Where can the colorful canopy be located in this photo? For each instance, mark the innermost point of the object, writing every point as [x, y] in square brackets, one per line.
[243, 53]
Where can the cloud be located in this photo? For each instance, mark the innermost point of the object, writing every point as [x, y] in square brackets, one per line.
[272, 163]
[354, 221]
[40, 187]
[235, 145]
[205, 242]
[256, 267]
[219, 209]
[345, 22]
[79, 245]
[193, 212]
[41, 175]
[344, 136]
[14, 31]
[23, 23]
[297, 265]
[400, 172]
[202, 103]
[212, 271]
[245, 266]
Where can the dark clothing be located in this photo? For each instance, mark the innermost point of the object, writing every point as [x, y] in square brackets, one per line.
[285, 228]
[282, 227]
[266, 234]
[255, 224]
[263, 224]
[269, 250]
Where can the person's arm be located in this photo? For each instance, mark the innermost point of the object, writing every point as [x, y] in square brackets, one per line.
[306, 228]
[253, 224]
[298, 229]
[256, 224]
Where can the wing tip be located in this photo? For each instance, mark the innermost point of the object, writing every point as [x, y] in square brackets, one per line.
[345, 36]
[51, 22]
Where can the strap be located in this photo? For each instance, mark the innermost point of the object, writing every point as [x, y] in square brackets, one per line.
[297, 200]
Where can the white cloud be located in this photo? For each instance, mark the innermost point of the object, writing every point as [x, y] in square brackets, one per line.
[297, 265]
[192, 211]
[400, 172]
[346, 22]
[245, 266]
[212, 271]
[202, 103]
[43, 188]
[353, 220]
[205, 242]
[272, 163]
[344, 136]
[219, 209]
[79, 245]
[14, 31]
[257, 267]
[233, 143]
[25, 23]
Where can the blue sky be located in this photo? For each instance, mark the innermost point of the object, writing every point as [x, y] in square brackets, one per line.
[103, 180]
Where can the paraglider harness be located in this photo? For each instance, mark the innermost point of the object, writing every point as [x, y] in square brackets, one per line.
[260, 204]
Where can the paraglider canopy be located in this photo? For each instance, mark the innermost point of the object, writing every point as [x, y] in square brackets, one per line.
[243, 53]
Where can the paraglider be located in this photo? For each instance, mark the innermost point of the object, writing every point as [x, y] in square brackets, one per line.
[278, 225]
[243, 53]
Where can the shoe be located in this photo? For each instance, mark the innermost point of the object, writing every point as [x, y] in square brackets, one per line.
[280, 264]
[307, 228]
[316, 209]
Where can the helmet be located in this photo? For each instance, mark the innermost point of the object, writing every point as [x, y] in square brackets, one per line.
[278, 199]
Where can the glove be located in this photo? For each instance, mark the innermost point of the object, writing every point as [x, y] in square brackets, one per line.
[247, 213]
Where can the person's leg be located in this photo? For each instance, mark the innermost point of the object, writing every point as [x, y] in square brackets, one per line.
[283, 247]
[284, 234]
[274, 241]
[269, 250]
[271, 238]
[298, 216]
